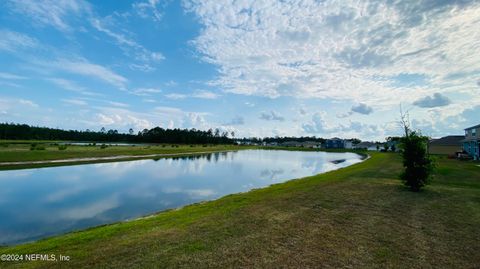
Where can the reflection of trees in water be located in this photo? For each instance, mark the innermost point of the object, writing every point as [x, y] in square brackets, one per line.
[271, 173]
[215, 156]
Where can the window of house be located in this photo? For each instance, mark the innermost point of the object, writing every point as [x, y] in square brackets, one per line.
[474, 132]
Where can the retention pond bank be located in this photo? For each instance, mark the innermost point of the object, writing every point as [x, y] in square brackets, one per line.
[37, 203]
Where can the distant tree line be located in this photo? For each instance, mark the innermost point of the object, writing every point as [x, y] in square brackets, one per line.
[280, 140]
[291, 138]
[13, 131]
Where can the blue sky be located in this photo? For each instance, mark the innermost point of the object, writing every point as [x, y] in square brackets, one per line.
[259, 68]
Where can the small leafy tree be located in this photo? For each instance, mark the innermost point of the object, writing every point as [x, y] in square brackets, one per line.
[393, 148]
[416, 160]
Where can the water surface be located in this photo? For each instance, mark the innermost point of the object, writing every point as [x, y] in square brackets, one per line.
[36, 203]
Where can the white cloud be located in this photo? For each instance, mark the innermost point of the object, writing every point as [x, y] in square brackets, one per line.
[176, 96]
[117, 104]
[77, 102]
[192, 119]
[146, 91]
[149, 100]
[83, 67]
[71, 86]
[13, 41]
[362, 109]
[272, 115]
[150, 9]
[203, 94]
[27, 103]
[140, 52]
[237, 120]
[318, 124]
[121, 118]
[200, 94]
[435, 100]
[7, 104]
[55, 13]
[342, 50]
[10, 76]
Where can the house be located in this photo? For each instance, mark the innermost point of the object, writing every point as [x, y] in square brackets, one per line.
[393, 145]
[291, 144]
[446, 145]
[312, 144]
[471, 141]
[348, 144]
[368, 146]
[335, 143]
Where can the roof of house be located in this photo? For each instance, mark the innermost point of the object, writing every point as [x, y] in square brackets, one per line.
[451, 140]
[476, 126]
[365, 144]
[291, 143]
[311, 142]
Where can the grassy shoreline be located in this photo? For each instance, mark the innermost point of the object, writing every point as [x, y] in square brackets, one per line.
[22, 153]
[358, 216]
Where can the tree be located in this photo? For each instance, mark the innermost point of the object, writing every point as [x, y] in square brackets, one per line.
[356, 141]
[417, 162]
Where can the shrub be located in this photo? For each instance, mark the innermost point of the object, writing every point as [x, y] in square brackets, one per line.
[62, 147]
[35, 146]
[103, 146]
[416, 160]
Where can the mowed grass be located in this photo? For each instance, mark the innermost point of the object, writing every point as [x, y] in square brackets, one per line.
[356, 217]
[21, 152]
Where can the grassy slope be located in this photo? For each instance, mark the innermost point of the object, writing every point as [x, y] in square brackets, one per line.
[354, 217]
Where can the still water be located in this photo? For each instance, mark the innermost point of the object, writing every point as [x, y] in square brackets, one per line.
[36, 203]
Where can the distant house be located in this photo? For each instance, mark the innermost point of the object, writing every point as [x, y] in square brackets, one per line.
[348, 144]
[368, 146]
[446, 145]
[291, 144]
[312, 144]
[471, 141]
[335, 143]
[393, 145]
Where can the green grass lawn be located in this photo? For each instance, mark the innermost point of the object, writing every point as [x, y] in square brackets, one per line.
[356, 217]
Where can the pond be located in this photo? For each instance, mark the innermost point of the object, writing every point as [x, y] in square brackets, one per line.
[37, 203]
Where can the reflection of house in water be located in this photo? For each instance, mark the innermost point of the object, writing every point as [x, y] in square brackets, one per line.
[271, 174]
